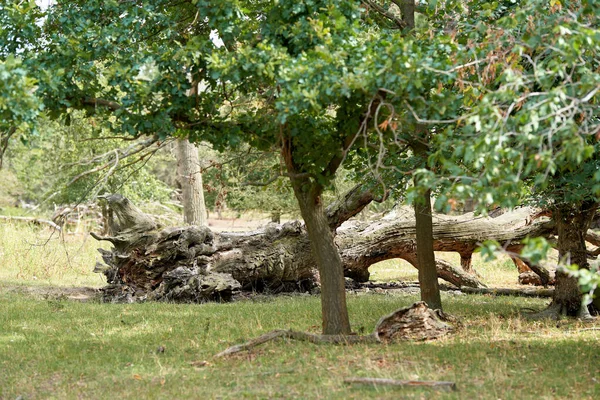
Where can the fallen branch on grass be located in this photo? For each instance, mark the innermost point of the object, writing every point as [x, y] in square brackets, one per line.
[303, 336]
[528, 292]
[416, 322]
[31, 220]
[440, 385]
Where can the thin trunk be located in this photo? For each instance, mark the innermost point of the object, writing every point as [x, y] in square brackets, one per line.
[331, 271]
[430, 290]
[572, 224]
[428, 280]
[190, 177]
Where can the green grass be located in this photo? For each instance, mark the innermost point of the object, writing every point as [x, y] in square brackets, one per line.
[54, 348]
[59, 349]
[31, 255]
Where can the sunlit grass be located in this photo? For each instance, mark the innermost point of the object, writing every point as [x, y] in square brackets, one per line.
[59, 349]
[35, 255]
[51, 347]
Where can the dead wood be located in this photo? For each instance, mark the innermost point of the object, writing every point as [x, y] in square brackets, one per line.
[195, 264]
[296, 335]
[31, 220]
[416, 322]
[439, 385]
[527, 292]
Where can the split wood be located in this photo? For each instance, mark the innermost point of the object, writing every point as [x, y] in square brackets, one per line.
[439, 385]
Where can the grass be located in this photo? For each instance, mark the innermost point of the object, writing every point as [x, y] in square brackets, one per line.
[54, 348]
[30, 255]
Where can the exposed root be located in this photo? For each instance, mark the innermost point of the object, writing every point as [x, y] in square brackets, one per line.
[303, 336]
[558, 311]
[553, 312]
[416, 322]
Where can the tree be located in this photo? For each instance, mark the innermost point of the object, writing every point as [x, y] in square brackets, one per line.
[190, 178]
[532, 121]
[428, 282]
[141, 86]
[313, 81]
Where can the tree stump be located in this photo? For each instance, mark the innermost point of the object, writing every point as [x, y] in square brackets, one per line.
[417, 322]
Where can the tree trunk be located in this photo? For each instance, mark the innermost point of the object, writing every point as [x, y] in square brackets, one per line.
[572, 223]
[192, 263]
[408, 13]
[190, 177]
[430, 290]
[428, 277]
[331, 272]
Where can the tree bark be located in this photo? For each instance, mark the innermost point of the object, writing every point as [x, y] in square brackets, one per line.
[190, 177]
[333, 291]
[194, 264]
[408, 13]
[428, 277]
[572, 222]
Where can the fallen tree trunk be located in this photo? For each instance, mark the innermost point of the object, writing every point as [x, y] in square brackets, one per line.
[194, 264]
[527, 292]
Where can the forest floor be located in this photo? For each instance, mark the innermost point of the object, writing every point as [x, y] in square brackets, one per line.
[56, 341]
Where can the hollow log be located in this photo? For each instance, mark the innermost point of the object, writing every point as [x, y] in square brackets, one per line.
[195, 264]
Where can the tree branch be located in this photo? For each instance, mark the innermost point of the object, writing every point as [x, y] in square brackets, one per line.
[400, 24]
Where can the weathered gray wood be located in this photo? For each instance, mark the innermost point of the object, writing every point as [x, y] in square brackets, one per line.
[296, 335]
[278, 257]
[526, 292]
[31, 220]
[417, 322]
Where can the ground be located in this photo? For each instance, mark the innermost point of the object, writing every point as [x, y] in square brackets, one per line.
[54, 347]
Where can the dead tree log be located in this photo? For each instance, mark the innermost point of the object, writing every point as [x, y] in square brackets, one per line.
[194, 264]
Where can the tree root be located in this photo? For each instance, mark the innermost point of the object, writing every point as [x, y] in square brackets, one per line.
[553, 312]
[416, 322]
[296, 335]
[558, 311]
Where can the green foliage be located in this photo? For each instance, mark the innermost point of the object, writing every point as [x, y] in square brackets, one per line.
[71, 164]
[530, 107]
[588, 279]
[19, 107]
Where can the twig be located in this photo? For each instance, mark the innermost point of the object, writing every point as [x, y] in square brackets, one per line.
[33, 220]
[304, 336]
[439, 385]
